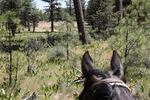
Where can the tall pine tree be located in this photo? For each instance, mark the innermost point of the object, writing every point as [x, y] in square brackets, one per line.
[101, 17]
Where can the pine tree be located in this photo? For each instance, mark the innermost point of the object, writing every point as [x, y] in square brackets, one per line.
[101, 17]
[10, 5]
[35, 17]
[53, 6]
[25, 13]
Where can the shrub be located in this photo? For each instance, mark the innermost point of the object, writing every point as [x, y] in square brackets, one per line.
[131, 37]
[57, 53]
[34, 44]
[55, 38]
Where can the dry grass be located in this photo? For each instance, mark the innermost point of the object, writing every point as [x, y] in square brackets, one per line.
[58, 26]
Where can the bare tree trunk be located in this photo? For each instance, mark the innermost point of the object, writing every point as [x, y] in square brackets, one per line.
[80, 20]
[10, 60]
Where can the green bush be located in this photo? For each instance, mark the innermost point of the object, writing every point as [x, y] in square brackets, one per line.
[34, 44]
[57, 53]
[55, 38]
[131, 37]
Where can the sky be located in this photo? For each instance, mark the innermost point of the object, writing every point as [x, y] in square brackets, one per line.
[41, 4]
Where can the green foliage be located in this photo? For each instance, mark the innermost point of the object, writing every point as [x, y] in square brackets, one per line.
[54, 7]
[2, 18]
[131, 36]
[22, 10]
[25, 15]
[35, 17]
[34, 44]
[57, 76]
[6, 95]
[54, 73]
[10, 5]
[66, 17]
[54, 39]
[48, 90]
[140, 81]
[57, 53]
[64, 81]
[101, 17]
[13, 15]
[135, 43]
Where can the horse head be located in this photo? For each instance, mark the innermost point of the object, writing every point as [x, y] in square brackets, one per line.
[100, 85]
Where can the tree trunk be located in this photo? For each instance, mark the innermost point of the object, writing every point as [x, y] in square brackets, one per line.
[126, 47]
[120, 9]
[28, 26]
[83, 8]
[70, 7]
[34, 27]
[28, 60]
[10, 59]
[52, 15]
[80, 20]
[16, 75]
[84, 12]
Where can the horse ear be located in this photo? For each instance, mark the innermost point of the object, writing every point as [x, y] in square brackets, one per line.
[117, 66]
[87, 64]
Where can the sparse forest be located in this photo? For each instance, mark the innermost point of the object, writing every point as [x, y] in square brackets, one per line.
[41, 50]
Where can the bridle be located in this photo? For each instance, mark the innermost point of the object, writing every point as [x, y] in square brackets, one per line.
[113, 81]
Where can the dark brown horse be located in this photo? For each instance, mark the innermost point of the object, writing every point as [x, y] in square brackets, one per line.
[104, 85]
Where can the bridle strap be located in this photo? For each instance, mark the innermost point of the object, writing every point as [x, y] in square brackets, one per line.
[113, 81]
